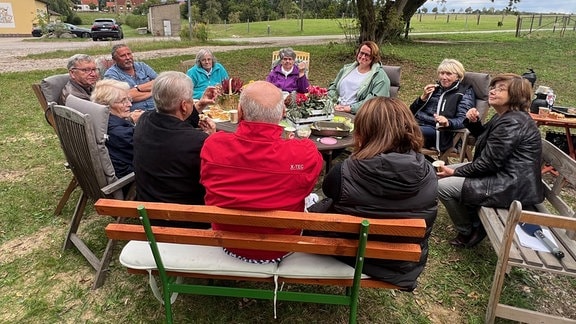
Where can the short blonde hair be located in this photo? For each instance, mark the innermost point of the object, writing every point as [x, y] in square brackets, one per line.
[452, 66]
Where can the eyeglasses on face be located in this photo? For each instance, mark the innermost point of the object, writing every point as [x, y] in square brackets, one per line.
[497, 89]
[364, 54]
[86, 70]
[124, 101]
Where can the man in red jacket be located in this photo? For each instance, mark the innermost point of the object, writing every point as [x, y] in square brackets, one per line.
[255, 169]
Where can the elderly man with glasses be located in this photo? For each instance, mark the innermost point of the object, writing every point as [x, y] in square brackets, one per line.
[83, 76]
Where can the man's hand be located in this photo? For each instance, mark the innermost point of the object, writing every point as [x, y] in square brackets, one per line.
[446, 172]
[208, 98]
[207, 125]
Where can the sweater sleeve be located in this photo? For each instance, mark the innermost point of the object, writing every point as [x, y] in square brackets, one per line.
[331, 186]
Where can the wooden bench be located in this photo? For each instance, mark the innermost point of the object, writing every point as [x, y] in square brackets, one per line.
[500, 225]
[310, 264]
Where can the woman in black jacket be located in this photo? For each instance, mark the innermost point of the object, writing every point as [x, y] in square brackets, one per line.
[506, 164]
[386, 177]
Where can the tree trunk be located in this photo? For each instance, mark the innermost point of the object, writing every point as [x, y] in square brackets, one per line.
[366, 16]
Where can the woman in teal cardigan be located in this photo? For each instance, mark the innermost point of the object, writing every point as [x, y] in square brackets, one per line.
[206, 72]
[359, 81]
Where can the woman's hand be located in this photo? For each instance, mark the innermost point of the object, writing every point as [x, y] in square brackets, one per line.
[343, 108]
[441, 120]
[472, 114]
[446, 172]
[428, 90]
[135, 115]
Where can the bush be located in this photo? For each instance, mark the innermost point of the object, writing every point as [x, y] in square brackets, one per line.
[135, 21]
[75, 20]
[199, 32]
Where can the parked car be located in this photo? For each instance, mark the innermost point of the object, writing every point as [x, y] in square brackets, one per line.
[106, 28]
[73, 29]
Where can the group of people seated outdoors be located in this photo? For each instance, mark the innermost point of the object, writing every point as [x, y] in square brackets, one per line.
[158, 130]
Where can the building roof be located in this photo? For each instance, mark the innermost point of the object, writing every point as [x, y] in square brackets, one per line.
[89, 2]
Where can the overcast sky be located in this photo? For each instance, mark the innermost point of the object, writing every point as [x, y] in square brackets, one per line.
[540, 6]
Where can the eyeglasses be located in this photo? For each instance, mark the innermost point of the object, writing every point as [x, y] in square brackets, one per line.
[287, 59]
[87, 70]
[497, 89]
[364, 54]
[124, 101]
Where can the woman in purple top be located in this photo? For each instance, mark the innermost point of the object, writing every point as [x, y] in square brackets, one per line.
[287, 75]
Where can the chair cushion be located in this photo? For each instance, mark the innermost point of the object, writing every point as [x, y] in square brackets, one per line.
[213, 260]
[305, 265]
[99, 115]
[479, 82]
[393, 73]
[52, 86]
[192, 259]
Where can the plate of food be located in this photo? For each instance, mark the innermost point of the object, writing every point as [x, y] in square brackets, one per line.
[329, 128]
[217, 114]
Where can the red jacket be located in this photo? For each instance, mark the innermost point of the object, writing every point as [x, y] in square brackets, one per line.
[255, 169]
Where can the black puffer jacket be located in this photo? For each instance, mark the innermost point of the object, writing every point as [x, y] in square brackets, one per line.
[506, 164]
[389, 185]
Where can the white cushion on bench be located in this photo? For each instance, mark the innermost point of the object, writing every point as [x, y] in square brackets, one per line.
[212, 260]
[305, 265]
[192, 259]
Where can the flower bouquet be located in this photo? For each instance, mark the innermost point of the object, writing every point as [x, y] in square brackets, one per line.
[309, 107]
[231, 89]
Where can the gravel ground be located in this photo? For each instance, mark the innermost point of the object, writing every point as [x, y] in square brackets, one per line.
[15, 49]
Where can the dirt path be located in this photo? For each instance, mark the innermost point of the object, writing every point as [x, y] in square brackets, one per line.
[15, 49]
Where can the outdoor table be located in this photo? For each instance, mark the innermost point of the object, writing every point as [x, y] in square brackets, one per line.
[566, 123]
[326, 150]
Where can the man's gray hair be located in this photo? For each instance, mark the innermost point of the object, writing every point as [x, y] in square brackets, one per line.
[79, 58]
[254, 110]
[200, 55]
[287, 52]
[115, 48]
[170, 89]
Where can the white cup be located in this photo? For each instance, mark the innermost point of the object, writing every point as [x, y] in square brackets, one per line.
[288, 132]
[233, 116]
[438, 164]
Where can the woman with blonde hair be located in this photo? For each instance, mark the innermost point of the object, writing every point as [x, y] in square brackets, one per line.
[443, 105]
[386, 176]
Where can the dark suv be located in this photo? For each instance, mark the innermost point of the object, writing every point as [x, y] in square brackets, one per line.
[106, 28]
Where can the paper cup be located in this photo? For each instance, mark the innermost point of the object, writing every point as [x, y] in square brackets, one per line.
[233, 116]
[543, 111]
[288, 132]
[438, 164]
[303, 131]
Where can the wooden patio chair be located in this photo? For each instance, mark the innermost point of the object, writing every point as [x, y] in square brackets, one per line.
[480, 83]
[82, 131]
[300, 57]
[48, 91]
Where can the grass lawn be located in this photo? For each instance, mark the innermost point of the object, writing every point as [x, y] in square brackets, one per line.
[39, 283]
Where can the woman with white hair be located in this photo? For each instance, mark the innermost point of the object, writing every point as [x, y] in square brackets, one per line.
[287, 75]
[114, 94]
[443, 105]
[206, 72]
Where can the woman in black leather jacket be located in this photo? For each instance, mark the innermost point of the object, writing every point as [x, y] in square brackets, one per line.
[386, 177]
[506, 164]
